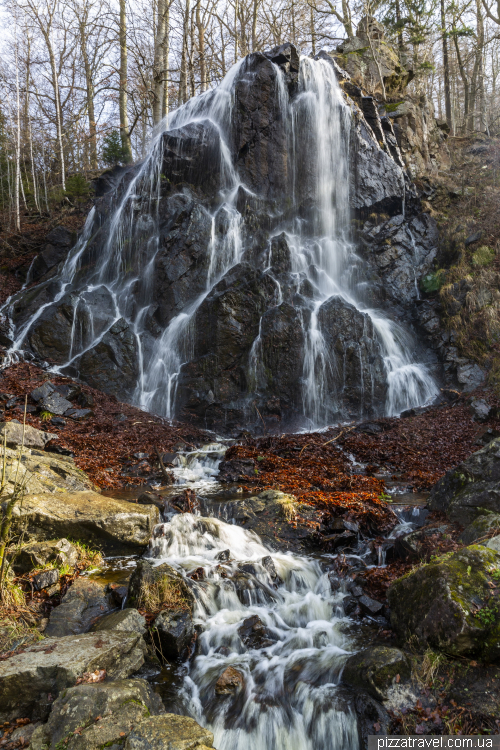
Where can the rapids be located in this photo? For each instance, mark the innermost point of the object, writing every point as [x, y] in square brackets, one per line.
[290, 699]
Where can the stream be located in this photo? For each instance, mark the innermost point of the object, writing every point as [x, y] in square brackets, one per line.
[277, 618]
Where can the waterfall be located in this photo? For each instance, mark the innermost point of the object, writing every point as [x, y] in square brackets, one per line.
[117, 284]
[290, 699]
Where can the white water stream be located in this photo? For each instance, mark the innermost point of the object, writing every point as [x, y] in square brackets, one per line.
[318, 123]
[289, 699]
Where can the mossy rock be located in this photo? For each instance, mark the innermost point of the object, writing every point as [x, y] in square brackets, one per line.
[376, 669]
[452, 604]
[481, 527]
[472, 488]
[146, 579]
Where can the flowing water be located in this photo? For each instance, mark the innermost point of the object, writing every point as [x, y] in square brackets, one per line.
[290, 699]
[120, 284]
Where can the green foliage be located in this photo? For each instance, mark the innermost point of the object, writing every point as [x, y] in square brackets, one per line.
[77, 186]
[45, 416]
[483, 256]
[432, 282]
[112, 151]
[487, 615]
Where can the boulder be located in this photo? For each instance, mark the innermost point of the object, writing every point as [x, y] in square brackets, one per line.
[12, 433]
[472, 488]
[376, 670]
[494, 543]
[451, 604]
[114, 526]
[57, 552]
[45, 579]
[192, 155]
[58, 242]
[230, 682]
[419, 544]
[42, 472]
[169, 731]
[147, 580]
[254, 634]
[55, 404]
[173, 634]
[83, 603]
[480, 528]
[96, 716]
[127, 620]
[33, 677]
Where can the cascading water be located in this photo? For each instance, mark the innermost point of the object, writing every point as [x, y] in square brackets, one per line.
[119, 285]
[290, 699]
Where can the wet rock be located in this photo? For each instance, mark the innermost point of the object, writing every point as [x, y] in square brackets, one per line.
[44, 472]
[480, 528]
[127, 620]
[90, 717]
[376, 669]
[59, 241]
[234, 469]
[370, 606]
[486, 435]
[111, 365]
[112, 525]
[472, 488]
[146, 577]
[230, 682]
[35, 555]
[12, 432]
[118, 593]
[450, 605]
[254, 633]
[268, 564]
[55, 404]
[419, 544]
[169, 731]
[69, 391]
[31, 679]
[339, 541]
[281, 259]
[45, 579]
[174, 634]
[84, 602]
[223, 556]
[351, 606]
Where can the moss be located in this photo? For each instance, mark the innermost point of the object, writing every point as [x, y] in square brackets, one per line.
[393, 107]
[483, 256]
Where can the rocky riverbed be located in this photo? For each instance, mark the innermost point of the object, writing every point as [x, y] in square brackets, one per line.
[233, 583]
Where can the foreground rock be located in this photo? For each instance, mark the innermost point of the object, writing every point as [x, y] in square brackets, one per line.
[91, 717]
[452, 604]
[376, 670]
[15, 434]
[35, 555]
[481, 528]
[31, 679]
[169, 731]
[114, 526]
[127, 620]
[43, 472]
[472, 488]
[83, 604]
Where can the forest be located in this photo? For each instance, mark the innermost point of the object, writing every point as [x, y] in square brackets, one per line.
[85, 83]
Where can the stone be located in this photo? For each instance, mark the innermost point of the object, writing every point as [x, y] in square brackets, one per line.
[174, 634]
[79, 414]
[480, 409]
[169, 731]
[146, 576]
[451, 604]
[375, 670]
[494, 544]
[43, 391]
[268, 563]
[31, 679]
[58, 242]
[254, 634]
[127, 620]
[370, 606]
[472, 488]
[84, 602]
[230, 682]
[33, 555]
[12, 432]
[58, 422]
[96, 716]
[223, 556]
[45, 579]
[114, 526]
[44, 472]
[55, 404]
[480, 528]
[69, 390]
[470, 376]
[191, 155]
[419, 544]
[474, 237]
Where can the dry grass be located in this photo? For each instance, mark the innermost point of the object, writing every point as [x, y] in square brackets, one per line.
[289, 507]
[165, 593]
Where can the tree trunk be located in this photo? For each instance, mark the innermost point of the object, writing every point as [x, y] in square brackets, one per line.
[446, 68]
[201, 48]
[124, 126]
[158, 64]
[89, 91]
[312, 29]
[166, 51]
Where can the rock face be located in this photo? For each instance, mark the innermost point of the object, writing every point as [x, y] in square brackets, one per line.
[451, 605]
[14, 435]
[39, 554]
[103, 714]
[472, 488]
[43, 472]
[127, 620]
[32, 679]
[112, 525]
[206, 306]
